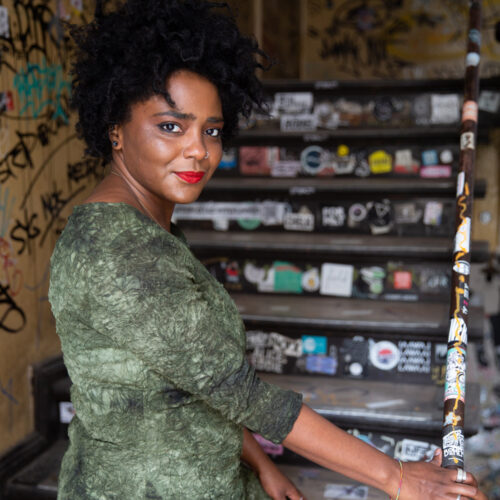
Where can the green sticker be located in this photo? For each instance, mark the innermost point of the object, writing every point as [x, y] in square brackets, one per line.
[249, 224]
[287, 277]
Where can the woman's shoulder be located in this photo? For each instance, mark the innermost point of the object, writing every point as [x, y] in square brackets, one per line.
[100, 229]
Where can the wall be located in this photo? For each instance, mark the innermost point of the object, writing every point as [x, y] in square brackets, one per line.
[371, 39]
[41, 176]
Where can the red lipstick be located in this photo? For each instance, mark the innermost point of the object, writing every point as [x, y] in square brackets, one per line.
[191, 177]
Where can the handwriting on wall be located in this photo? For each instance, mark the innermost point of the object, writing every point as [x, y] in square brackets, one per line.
[42, 175]
[39, 179]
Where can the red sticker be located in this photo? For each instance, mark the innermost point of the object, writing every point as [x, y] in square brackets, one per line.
[402, 280]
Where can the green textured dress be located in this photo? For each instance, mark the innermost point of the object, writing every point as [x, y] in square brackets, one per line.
[155, 349]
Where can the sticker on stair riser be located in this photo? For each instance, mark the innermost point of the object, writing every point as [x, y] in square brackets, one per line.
[346, 491]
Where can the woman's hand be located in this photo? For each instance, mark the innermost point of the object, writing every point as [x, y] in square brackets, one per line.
[273, 481]
[277, 485]
[429, 480]
[320, 441]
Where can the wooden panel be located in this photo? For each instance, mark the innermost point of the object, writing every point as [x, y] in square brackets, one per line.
[325, 245]
[41, 177]
[244, 13]
[486, 211]
[378, 39]
[388, 186]
[353, 315]
[377, 405]
[281, 37]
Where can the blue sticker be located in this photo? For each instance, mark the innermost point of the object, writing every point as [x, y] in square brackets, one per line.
[229, 160]
[475, 36]
[314, 345]
[430, 157]
[321, 364]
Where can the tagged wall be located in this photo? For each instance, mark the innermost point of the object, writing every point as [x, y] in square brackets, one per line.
[41, 176]
[349, 39]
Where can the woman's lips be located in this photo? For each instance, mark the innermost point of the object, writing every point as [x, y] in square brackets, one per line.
[191, 177]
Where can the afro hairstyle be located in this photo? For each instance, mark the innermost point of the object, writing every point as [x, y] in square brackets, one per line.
[126, 56]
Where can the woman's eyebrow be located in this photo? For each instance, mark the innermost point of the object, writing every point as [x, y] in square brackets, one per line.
[177, 114]
[188, 116]
[215, 119]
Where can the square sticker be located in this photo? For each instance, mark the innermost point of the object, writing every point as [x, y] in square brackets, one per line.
[445, 108]
[287, 277]
[321, 364]
[314, 345]
[432, 213]
[402, 280]
[429, 157]
[336, 279]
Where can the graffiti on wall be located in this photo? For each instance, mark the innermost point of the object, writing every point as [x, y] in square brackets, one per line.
[394, 39]
[42, 175]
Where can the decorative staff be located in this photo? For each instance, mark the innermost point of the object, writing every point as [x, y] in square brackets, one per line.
[454, 393]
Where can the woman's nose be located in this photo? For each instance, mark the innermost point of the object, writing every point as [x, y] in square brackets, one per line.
[195, 148]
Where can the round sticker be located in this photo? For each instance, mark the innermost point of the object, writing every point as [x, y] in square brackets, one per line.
[446, 156]
[356, 369]
[342, 150]
[310, 280]
[384, 355]
[309, 345]
[485, 217]
[357, 212]
[249, 224]
[383, 109]
[311, 159]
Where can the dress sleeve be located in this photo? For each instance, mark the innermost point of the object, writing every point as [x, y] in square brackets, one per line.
[152, 306]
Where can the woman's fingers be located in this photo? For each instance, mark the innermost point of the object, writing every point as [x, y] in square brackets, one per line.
[470, 479]
[438, 457]
[424, 480]
[465, 491]
[295, 495]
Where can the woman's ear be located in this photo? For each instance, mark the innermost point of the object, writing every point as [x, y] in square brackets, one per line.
[115, 137]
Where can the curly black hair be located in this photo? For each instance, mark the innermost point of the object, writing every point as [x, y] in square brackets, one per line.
[126, 56]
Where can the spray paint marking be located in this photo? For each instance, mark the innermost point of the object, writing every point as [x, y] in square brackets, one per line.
[7, 392]
[42, 86]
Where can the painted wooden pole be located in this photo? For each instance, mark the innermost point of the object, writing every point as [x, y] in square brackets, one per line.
[454, 393]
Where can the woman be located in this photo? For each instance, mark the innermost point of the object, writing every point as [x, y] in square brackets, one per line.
[155, 348]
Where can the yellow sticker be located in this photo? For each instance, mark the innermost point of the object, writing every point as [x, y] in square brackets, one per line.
[342, 150]
[380, 162]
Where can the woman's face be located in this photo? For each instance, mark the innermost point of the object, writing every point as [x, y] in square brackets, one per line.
[171, 152]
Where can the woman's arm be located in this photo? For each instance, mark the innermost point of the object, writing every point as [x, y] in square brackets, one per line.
[275, 484]
[319, 440]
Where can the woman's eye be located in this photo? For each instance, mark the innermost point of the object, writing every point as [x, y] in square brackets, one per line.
[170, 127]
[214, 132]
